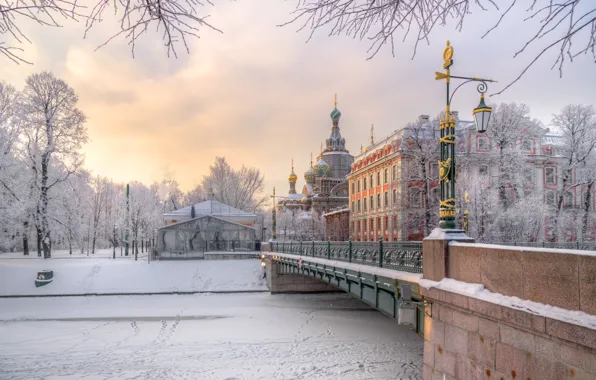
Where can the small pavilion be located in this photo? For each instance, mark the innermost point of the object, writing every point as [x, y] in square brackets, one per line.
[204, 227]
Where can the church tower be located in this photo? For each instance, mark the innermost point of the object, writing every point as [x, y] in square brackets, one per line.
[292, 178]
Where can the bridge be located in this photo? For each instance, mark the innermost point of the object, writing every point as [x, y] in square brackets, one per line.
[485, 311]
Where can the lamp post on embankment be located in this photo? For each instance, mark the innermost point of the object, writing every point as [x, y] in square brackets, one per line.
[481, 113]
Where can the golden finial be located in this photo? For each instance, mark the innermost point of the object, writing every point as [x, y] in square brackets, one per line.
[447, 56]
[311, 159]
[335, 100]
[292, 165]
[372, 134]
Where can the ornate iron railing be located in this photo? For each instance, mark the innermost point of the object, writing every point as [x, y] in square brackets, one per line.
[398, 255]
[403, 256]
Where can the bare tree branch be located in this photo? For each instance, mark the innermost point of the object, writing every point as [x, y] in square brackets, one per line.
[563, 24]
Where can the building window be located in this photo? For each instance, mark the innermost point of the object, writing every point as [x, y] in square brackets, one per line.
[568, 201]
[371, 203]
[379, 227]
[482, 144]
[394, 197]
[394, 173]
[436, 195]
[386, 199]
[385, 175]
[550, 198]
[394, 222]
[378, 178]
[549, 151]
[378, 200]
[364, 204]
[364, 225]
[386, 224]
[415, 197]
[352, 187]
[434, 171]
[371, 182]
[568, 174]
[358, 185]
[483, 170]
[527, 145]
[358, 205]
[364, 183]
[353, 209]
[549, 176]
[529, 175]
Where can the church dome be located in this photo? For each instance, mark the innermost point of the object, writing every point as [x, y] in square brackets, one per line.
[335, 114]
[304, 199]
[309, 175]
[322, 168]
[292, 177]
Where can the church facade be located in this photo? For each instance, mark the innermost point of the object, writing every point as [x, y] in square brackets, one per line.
[325, 189]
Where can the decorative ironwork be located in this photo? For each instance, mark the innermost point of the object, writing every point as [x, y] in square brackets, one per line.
[404, 256]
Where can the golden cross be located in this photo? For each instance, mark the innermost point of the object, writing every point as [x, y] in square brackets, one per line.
[292, 165]
[335, 101]
[372, 133]
[311, 159]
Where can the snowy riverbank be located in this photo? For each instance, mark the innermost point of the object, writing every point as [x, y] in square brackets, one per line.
[17, 276]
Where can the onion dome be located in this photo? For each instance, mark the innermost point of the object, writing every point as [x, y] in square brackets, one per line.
[321, 168]
[292, 177]
[335, 114]
[309, 175]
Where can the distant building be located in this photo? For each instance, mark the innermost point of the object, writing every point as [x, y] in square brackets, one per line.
[337, 224]
[214, 227]
[387, 201]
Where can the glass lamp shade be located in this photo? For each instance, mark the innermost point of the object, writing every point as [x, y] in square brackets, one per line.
[482, 115]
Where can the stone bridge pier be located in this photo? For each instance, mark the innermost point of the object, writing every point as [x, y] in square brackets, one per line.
[279, 281]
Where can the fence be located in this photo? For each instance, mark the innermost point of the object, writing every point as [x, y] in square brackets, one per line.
[399, 255]
[403, 256]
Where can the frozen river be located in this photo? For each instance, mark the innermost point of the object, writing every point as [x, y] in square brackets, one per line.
[233, 336]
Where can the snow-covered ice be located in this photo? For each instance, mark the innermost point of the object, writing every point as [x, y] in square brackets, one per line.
[80, 276]
[206, 336]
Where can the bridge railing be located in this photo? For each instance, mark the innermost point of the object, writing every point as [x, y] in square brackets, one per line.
[403, 256]
[399, 255]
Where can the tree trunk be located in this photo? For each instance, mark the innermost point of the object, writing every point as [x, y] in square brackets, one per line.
[38, 232]
[25, 238]
[587, 203]
[45, 227]
[561, 198]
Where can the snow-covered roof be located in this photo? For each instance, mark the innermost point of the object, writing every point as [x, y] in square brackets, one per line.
[295, 197]
[210, 207]
[345, 209]
[170, 226]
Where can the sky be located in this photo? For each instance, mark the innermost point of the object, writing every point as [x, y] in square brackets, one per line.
[260, 95]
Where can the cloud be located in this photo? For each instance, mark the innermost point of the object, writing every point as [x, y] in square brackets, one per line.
[260, 95]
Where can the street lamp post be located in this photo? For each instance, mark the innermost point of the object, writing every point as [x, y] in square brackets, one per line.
[447, 142]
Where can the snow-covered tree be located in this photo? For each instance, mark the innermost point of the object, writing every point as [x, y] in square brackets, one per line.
[577, 125]
[54, 132]
[420, 146]
[238, 188]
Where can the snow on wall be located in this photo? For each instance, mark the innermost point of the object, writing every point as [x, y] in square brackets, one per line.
[478, 291]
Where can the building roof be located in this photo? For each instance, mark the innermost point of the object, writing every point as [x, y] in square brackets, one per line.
[189, 221]
[210, 207]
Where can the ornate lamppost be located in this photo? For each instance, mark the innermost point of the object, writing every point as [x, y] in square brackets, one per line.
[447, 147]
